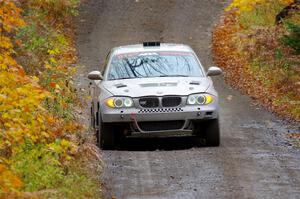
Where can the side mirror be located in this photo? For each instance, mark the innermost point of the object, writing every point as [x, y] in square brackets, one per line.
[95, 75]
[214, 71]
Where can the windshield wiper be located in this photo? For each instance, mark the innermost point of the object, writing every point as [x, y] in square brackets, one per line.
[150, 77]
[124, 78]
[173, 76]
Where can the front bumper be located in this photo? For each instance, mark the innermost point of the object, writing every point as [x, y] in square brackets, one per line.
[159, 114]
[185, 114]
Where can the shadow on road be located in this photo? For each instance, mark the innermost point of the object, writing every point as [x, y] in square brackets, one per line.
[152, 144]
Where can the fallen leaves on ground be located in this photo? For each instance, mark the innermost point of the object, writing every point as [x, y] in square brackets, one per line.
[247, 45]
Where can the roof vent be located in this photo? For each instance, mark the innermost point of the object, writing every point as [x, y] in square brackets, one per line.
[151, 43]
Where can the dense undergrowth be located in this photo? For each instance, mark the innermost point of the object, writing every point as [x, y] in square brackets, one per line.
[257, 45]
[39, 142]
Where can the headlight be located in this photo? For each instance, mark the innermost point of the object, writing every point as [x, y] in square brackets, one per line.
[119, 102]
[199, 99]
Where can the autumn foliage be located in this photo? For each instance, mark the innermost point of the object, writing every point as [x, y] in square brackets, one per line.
[240, 6]
[37, 98]
[249, 46]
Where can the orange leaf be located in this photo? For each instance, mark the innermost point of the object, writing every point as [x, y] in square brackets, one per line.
[18, 42]
[52, 84]
[22, 72]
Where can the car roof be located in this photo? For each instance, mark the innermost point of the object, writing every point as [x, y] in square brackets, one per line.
[142, 48]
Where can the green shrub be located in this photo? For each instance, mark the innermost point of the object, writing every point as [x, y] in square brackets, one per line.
[38, 168]
[293, 39]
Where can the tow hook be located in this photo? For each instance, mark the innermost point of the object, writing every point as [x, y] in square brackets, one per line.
[132, 116]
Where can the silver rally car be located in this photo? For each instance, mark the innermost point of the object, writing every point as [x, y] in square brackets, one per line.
[154, 88]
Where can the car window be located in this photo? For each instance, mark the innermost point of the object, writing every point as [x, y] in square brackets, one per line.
[153, 64]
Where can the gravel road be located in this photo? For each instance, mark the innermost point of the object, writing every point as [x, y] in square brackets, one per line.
[255, 159]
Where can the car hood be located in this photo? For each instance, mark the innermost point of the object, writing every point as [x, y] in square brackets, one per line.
[157, 86]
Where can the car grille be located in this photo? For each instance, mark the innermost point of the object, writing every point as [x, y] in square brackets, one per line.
[149, 102]
[161, 125]
[171, 101]
[154, 102]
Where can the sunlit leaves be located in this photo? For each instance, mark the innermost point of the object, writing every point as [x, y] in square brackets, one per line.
[248, 5]
[35, 105]
[10, 16]
[20, 107]
[8, 180]
[6, 61]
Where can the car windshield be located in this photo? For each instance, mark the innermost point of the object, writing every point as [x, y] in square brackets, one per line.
[158, 64]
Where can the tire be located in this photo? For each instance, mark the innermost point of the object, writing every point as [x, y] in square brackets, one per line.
[106, 136]
[208, 130]
[105, 133]
[212, 133]
[92, 117]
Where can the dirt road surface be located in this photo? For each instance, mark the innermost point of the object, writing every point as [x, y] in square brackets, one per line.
[254, 160]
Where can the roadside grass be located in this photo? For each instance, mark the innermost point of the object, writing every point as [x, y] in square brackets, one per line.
[248, 46]
[43, 174]
[40, 137]
[261, 16]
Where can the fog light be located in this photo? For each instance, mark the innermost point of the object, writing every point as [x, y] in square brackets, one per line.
[110, 103]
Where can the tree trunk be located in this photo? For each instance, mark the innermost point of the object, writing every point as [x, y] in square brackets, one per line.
[285, 12]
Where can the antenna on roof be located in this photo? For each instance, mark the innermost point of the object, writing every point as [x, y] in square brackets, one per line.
[151, 43]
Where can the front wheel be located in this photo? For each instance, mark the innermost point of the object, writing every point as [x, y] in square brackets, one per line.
[106, 136]
[210, 131]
